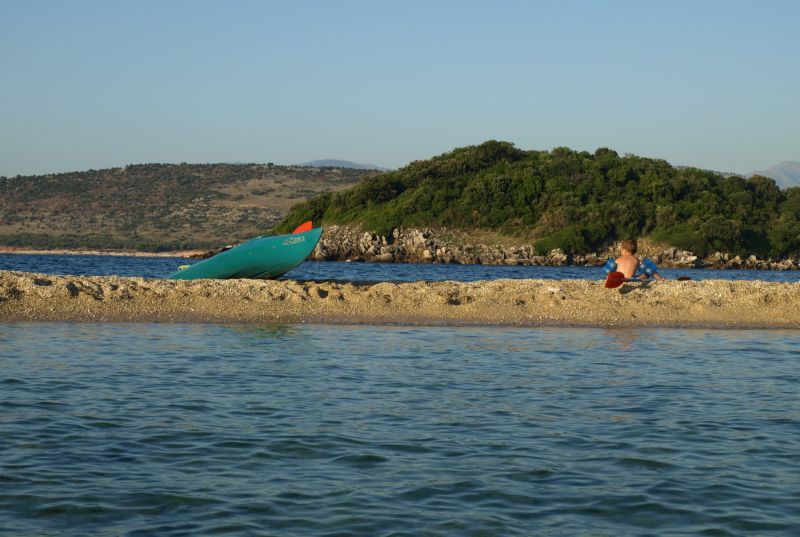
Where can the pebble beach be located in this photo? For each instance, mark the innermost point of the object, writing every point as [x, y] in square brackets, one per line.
[710, 303]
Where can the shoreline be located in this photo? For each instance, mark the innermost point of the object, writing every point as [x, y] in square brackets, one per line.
[316, 258]
[342, 244]
[442, 246]
[560, 303]
[187, 254]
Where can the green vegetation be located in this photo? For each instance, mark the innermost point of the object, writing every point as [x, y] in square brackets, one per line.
[574, 200]
[157, 207]
[567, 199]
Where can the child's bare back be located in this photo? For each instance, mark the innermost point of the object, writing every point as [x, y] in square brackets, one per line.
[627, 264]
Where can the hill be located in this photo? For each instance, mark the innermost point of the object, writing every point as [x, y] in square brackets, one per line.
[334, 163]
[577, 201]
[786, 174]
[157, 206]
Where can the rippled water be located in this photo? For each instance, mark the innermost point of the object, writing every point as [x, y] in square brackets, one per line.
[159, 267]
[320, 430]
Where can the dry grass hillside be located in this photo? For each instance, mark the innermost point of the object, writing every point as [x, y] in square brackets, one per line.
[158, 206]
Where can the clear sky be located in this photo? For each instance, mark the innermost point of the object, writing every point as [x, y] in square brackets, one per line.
[94, 84]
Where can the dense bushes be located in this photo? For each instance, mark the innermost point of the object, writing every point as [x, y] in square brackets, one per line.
[574, 200]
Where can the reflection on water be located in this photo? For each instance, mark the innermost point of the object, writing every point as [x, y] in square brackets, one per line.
[356, 430]
[624, 339]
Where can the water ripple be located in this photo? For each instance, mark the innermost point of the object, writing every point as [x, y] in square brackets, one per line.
[235, 430]
[161, 267]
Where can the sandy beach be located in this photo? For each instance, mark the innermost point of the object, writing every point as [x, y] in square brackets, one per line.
[711, 303]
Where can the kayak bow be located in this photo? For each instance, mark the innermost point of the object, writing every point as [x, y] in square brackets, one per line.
[261, 258]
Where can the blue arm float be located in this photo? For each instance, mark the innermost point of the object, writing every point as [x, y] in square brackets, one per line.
[610, 266]
[647, 267]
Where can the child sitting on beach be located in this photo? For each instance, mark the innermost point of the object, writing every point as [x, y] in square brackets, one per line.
[629, 265]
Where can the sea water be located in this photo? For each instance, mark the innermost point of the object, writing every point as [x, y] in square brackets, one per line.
[202, 429]
[161, 267]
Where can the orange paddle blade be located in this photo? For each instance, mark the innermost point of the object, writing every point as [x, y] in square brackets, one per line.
[615, 279]
[302, 228]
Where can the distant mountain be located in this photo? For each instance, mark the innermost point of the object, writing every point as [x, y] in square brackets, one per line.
[786, 173]
[334, 163]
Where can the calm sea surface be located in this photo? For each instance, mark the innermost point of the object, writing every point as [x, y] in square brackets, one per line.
[159, 267]
[140, 429]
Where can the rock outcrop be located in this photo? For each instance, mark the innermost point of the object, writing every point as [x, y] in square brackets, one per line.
[342, 243]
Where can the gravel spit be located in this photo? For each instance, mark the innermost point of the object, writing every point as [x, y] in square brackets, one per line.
[709, 303]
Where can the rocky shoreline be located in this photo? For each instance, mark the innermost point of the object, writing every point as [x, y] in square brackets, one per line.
[712, 303]
[342, 243]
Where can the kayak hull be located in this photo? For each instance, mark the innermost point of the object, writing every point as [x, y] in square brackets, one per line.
[260, 258]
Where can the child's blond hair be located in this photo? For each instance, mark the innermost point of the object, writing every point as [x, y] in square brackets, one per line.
[629, 245]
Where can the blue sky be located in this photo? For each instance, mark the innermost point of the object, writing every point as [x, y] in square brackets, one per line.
[94, 84]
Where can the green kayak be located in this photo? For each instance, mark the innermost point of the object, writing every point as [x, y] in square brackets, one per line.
[262, 257]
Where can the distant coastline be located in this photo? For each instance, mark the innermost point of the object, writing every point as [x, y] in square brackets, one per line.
[188, 254]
